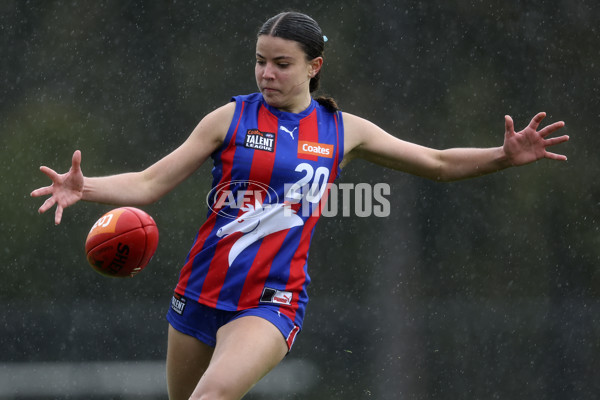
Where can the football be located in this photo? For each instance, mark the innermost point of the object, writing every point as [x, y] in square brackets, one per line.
[122, 242]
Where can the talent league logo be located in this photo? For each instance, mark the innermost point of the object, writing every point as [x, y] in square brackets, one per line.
[258, 140]
[178, 303]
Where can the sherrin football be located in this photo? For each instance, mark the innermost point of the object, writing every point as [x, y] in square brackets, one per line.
[122, 242]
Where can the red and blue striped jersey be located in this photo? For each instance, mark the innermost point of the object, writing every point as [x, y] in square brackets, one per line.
[270, 181]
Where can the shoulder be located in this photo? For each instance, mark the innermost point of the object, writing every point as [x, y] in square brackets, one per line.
[215, 124]
[357, 132]
[363, 139]
[222, 116]
[352, 120]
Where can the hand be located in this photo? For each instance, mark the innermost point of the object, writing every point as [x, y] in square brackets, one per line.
[66, 189]
[530, 144]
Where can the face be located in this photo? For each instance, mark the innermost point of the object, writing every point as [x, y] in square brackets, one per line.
[283, 74]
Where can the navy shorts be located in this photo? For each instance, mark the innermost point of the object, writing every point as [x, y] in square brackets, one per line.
[203, 322]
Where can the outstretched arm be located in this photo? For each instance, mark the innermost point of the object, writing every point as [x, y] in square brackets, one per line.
[137, 188]
[366, 140]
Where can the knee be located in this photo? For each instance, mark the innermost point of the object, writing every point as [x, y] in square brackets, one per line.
[214, 393]
[212, 396]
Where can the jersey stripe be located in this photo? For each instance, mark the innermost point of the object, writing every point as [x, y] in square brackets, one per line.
[308, 131]
[259, 271]
[206, 229]
[298, 269]
[260, 171]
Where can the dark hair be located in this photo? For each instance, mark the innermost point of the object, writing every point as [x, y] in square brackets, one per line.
[302, 29]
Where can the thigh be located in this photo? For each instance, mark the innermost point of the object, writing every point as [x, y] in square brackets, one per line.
[247, 349]
[187, 360]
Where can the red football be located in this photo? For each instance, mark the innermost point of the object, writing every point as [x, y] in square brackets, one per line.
[122, 242]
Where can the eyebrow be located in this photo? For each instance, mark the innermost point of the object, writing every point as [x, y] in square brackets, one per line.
[276, 58]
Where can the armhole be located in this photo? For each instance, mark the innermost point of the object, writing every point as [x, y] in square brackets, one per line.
[340, 139]
[231, 130]
[233, 124]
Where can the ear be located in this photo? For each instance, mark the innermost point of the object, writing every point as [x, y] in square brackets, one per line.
[314, 66]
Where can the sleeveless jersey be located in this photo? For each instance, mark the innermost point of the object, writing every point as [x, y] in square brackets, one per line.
[270, 181]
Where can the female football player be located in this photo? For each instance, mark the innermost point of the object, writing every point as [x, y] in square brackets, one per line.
[241, 295]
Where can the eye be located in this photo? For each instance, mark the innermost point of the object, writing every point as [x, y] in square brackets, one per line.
[260, 62]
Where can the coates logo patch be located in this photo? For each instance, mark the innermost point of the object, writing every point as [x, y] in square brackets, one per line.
[258, 140]
[315, 149]
[276, 296]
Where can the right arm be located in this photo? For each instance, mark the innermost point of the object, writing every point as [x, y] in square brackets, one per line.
[138, 188]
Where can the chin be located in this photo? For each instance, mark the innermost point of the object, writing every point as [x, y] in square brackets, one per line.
[273, 99]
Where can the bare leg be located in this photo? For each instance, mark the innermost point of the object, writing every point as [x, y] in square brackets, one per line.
[247, 349]
[187, 359]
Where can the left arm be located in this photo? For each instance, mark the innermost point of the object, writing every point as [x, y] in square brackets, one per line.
[366, 140]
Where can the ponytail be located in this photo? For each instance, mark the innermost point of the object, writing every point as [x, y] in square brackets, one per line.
[328, 102]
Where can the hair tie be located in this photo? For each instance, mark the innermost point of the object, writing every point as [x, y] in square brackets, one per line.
[325, 39]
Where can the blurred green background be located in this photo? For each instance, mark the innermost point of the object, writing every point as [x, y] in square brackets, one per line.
[481, 289]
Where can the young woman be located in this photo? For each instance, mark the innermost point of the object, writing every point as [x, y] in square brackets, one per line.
[240, 299]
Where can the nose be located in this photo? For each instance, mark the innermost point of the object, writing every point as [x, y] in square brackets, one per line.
[268, 71]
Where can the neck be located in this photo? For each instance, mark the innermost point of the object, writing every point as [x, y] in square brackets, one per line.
[297, 106]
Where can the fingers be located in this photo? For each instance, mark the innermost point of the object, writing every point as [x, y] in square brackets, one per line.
[554, 156]
[551, 128]
[76, 160]
[47, 205]
[58, 214]
[535, 121]
[538, 118]
[509, 125]
[50, 173]
[556, 140]
[41, 191]
[50, 190]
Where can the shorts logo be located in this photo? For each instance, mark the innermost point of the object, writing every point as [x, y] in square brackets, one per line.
[178, 303]
[276, 296]
[258, 140]
[315, 149]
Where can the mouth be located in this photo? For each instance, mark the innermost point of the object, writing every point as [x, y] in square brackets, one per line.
[269, 90]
